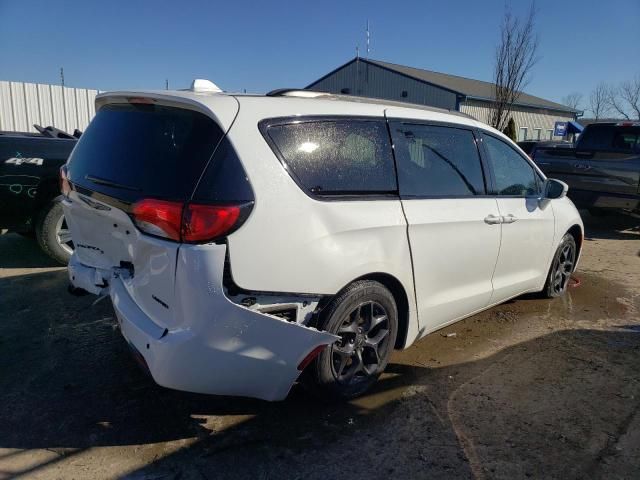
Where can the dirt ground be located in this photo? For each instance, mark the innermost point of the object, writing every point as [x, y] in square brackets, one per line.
[532, 388]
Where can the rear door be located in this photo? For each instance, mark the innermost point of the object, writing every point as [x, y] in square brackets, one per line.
[453, 226]
[130, 153]
[527, 227]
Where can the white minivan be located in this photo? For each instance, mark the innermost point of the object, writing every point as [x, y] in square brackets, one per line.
[244, 239]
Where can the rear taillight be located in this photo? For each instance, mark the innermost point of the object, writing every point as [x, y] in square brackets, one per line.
[65, 186]
[206, 222]
[159, 217]
[191, 223]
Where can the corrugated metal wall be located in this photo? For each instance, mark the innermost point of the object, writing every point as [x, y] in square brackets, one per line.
[368, 80]
[529, 118]
[23, 104]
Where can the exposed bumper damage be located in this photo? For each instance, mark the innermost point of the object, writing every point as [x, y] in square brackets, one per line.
[219, 347]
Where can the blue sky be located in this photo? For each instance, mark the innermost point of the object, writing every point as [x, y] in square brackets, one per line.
[263, 45]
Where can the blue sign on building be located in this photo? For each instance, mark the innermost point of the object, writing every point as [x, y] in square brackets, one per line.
[560, 129]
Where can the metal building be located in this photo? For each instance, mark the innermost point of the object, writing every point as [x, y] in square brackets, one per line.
[23, 104]
[534, 117]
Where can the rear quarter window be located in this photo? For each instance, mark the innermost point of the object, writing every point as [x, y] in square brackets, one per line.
[335, 157]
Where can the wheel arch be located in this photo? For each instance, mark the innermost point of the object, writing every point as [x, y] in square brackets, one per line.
[48, 192]
[578, 235]
[401, 298]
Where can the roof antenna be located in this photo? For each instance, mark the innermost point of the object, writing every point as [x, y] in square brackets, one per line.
[357, 51]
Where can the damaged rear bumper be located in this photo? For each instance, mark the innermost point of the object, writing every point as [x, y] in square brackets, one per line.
[218, 347]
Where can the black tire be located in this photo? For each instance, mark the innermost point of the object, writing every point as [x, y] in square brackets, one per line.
[46, 226]
[360, 314]
[562, 265]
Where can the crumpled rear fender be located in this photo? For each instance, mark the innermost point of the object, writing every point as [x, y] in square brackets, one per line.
[230, 349]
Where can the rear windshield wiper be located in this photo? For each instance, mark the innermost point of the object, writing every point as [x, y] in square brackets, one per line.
[109, 183]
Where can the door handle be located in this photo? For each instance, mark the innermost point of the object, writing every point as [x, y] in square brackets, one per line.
[582, 166]
[509, 218]
[492, 220]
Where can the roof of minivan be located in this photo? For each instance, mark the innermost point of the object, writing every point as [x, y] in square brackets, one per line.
[224, 105]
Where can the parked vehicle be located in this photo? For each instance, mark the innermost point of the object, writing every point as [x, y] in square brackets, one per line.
[603, 170]
[244, 239]
[29, 187]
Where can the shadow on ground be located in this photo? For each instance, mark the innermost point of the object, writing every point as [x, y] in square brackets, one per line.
[611, 226]
[17, 251]
[548, 407]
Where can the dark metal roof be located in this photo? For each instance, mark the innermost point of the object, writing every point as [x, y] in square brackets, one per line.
[473, 89]
[291, 93]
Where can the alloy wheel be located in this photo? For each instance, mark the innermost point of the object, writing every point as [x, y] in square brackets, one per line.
[364, 338]
[63, 235]
[563, 268]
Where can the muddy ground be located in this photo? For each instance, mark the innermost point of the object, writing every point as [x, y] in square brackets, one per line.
[532, 388]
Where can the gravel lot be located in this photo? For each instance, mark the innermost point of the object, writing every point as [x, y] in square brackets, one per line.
[532, 388]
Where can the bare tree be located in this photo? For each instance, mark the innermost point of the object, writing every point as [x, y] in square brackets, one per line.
[573, 100]
[598, 100]
[514, 60]
[630, 93]
[614, 100]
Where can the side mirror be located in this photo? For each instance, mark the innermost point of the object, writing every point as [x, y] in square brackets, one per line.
[555, 189]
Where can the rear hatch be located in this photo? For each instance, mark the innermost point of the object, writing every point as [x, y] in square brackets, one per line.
[132, 177]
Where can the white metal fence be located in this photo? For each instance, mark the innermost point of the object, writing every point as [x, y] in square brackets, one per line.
[23, 104]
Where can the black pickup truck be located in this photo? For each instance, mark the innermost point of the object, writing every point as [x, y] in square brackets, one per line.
[602, 170]
[29, 187]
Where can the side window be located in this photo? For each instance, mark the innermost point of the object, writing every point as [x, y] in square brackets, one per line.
[514, 176]
[333, 157]
[437, 161]
[596, 137]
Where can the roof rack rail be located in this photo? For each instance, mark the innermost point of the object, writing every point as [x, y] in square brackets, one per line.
[295, 92]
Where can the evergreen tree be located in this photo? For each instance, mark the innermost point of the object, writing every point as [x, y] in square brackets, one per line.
[510, 130]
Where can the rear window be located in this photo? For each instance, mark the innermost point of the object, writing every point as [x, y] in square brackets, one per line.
[337, 157]
[627, 140]
[609, 137]
[135, 151]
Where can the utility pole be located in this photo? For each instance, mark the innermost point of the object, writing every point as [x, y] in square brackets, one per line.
[368, 39]
[62, 76]
[166, 84]
[367, 58]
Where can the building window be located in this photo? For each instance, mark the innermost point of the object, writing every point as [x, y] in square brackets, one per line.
[404, 94]
[537, 134]
[549, 134]
[522, 134]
